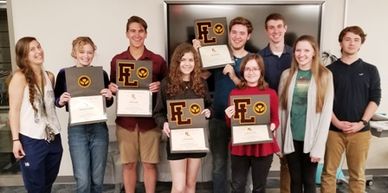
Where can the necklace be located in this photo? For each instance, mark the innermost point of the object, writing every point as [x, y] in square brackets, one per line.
[187, 84]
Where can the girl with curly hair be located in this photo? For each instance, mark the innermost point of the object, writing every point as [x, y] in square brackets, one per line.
[183, 82]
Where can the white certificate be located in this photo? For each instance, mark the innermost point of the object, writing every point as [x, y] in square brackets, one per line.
[188, 140]
[134, 103]
[87, 109]
[250, 134]
[215, 56]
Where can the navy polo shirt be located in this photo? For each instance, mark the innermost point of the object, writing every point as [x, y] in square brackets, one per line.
[275, 65]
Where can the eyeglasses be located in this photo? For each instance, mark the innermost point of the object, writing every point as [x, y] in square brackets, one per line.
[251, 69]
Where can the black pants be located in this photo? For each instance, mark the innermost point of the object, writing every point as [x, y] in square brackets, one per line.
[260, 168]
[302, 170]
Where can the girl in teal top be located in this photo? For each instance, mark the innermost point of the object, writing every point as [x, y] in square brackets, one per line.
[306, 100]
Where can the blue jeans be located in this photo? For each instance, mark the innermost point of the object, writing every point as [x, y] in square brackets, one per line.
[219, 137]
[40, 165]
[88, 145]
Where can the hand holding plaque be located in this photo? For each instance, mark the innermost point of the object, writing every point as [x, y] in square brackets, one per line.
[250, 122]
[86, 104]
[187, 126]
[133, 96]
[213, 35]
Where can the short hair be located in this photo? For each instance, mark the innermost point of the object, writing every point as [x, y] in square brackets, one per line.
[242, 21]
[81, 41]
[136, 19]
[274, 16]
[354, 29]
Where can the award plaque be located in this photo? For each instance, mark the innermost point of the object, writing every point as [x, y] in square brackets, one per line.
[211, 31]
[250, 123]
[86, 105]
[188, 126]
[84, 81]
[133, 74]
[213, 35]
[133, 96]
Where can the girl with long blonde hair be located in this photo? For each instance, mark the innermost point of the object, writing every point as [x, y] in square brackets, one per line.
[306, 100]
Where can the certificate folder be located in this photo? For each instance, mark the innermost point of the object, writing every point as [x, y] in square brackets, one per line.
[250, 123]
[188, 126]
[133, 97]
[86, 105]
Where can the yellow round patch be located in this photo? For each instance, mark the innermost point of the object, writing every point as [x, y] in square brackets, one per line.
[195, 109]
[84, 81]
[260, 108]
[218, 29]
[142, 73]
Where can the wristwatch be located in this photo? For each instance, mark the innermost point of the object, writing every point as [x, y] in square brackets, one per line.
[364, 122]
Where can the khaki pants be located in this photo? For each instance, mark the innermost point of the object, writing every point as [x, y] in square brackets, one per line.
[356, 148]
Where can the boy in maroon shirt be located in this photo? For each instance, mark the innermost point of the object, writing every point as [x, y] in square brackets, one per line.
[138, 138]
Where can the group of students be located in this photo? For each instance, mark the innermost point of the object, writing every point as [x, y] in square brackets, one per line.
[320, 112]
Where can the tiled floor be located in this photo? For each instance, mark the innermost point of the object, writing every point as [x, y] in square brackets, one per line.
[380, 185]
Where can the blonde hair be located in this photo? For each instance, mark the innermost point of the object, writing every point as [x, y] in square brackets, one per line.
[79, 42]
[319, 72]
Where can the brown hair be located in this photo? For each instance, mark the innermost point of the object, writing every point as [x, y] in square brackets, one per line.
[137, 19]
[274, 16]
[176, 84]
[242, 21]
[354, 29]
[319, 72]
[22, 48]
[262, 84]
[79, 42]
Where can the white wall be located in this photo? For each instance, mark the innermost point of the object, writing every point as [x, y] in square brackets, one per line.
[371, 17]
[56, 23]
